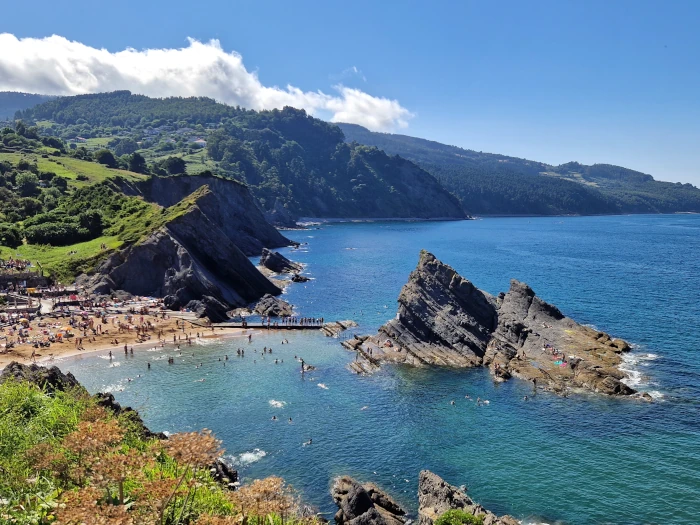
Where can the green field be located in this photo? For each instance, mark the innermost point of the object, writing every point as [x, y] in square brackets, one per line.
[64, 262]
[70, 168]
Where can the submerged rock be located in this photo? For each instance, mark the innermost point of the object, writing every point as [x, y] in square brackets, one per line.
[443, 319]
[436, 496]
[273, 307]
[277, 262]
[364, 504]
[297, 278]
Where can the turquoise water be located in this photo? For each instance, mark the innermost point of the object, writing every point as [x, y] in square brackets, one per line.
[582, 460]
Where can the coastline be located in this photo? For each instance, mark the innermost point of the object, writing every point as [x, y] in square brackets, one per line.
[60, 351]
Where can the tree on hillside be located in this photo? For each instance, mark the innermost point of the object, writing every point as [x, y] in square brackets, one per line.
[106, 157]
[27, 183]
[174, 165]
[137, 163]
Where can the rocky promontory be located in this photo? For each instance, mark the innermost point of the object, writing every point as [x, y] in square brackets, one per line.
[276, 262]
[367, 504]
[443, 319]
[192, 258]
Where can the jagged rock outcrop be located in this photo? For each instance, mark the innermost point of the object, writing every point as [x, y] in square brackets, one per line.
[277, 262]
[229, 204]
[273, 307]
[189, 261]
[436, 496]
[364, 504]
[48, 379]
[297, 278]
[443, 319]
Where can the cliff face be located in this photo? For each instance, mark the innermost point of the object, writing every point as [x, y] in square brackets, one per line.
[443, 319]
[192, 261]
[229, 205]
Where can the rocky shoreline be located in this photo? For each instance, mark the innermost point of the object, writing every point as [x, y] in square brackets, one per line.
[444, 320]
[367, 504]
[358, 504]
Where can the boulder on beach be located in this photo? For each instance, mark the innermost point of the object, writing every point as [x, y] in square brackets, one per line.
[273, 307]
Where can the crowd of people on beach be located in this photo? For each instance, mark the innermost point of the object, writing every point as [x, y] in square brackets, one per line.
[12, 264]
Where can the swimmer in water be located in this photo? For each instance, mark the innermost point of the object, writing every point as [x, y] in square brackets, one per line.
[309, 442]
[452, 402]
[290, 419]
[274, 418]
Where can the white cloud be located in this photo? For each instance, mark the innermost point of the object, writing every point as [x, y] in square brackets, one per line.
[57, 66]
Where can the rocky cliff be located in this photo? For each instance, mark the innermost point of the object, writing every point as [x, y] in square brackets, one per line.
[229, 205]
[276, 262]
[443, 319]
[192, 260]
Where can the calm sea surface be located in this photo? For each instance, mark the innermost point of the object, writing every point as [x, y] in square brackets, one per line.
[580, 460]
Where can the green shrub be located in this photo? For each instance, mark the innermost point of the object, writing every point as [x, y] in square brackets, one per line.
[458, 517]
[10, 235]
[56, 234]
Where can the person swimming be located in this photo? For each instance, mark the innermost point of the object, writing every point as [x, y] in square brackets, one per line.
[274, 418]
[309, 442]
[452, 402]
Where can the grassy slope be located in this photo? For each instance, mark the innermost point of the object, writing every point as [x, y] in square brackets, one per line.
[66, 262]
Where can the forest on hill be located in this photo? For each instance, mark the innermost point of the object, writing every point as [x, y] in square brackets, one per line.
[288, 158]
[488, 183]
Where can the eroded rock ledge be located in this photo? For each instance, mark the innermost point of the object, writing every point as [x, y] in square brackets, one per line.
[443, 319]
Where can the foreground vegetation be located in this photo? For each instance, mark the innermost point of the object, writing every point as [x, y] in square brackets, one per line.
[65, 459]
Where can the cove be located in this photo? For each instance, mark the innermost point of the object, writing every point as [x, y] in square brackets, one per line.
[583, 459]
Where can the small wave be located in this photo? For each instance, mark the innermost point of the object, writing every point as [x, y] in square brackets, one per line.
[656, 394]
[321, 385]
[154, 349]
[247, 458]
[277, 404]
[205, 342]
[117, 363]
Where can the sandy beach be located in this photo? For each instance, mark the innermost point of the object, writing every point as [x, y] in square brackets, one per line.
[175, 328]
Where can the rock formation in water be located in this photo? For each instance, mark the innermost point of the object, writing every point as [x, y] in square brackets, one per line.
[364, 504]
[192, 260]
[443, 319]
[276, 262]
[367, 504]
[273, 307]
[436, 496]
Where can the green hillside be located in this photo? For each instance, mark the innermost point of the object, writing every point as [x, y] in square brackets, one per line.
[285, 156]
[488, 183]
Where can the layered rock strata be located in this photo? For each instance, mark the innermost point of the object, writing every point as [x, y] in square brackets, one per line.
[191, 261]
[443, 319]
[276, 262]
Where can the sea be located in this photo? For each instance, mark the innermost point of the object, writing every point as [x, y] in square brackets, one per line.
[583, 459]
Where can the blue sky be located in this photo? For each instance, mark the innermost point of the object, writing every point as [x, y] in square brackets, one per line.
[615, 82]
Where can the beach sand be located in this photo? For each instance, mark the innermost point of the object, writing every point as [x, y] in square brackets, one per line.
[104, 342]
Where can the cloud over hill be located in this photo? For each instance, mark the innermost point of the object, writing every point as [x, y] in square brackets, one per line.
[57, 66]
